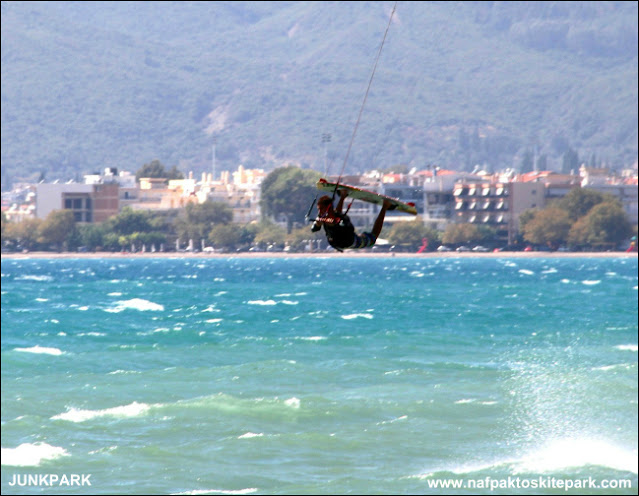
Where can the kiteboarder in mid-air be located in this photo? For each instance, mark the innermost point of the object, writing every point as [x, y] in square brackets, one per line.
[340, 232]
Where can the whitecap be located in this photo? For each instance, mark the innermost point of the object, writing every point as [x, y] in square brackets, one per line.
[526, 272]
[605, 368]
[626, 347]
[136, 304]
[386, 422]
[34, 278]
[249, 435]
[76, 415]
[195, 492]
[590, 283]
[313, 338]
[41, 350]
[262, 302]
[357, 315]
[31, 455]
[464, 401]
[293, 402]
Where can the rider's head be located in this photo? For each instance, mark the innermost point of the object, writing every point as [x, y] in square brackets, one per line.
[324, 203]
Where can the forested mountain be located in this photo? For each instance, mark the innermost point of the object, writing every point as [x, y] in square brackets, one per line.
[88, 85]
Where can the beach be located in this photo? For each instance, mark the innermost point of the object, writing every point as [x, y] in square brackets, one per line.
[325, 254]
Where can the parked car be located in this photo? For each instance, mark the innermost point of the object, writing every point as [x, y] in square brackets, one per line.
[463, 248]
[444, 248]
[480, 248]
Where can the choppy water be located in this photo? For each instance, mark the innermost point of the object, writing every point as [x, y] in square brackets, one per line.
[294, 376]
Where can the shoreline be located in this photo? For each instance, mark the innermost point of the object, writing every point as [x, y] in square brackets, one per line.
[352, 254]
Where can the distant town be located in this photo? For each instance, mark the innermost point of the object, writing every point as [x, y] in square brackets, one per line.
[442, 197]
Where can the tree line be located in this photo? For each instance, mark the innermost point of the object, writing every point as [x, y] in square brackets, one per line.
[582, 220]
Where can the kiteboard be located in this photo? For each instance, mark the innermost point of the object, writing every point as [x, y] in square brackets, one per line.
[367, 196]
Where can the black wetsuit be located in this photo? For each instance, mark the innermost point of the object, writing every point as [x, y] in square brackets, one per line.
[340, 232]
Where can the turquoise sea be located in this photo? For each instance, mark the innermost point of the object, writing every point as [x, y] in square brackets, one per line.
[319, 376]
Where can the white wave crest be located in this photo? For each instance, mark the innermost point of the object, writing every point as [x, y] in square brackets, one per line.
[76, 415]
[627, 347]
[590, 283]
[248, 490]
[136, 304]
[34, 278]
[357, 315]
[293, 402]
[41, 350]
[31, 455]
[249, 435]
[262, 302]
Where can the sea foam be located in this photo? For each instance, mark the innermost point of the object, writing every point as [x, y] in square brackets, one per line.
[136, 304]
[31, 455]
[40, 350]
[76, 415]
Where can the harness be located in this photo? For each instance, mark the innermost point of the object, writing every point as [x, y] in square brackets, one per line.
[340, 231]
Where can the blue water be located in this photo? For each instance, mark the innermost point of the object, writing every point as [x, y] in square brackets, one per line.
[319, 376]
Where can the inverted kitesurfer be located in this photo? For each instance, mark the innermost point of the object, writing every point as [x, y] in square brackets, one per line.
[339, 229]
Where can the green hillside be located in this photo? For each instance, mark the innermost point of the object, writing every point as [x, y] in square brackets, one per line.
[88, 85]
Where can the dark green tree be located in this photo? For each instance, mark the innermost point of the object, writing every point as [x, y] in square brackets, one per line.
[527, 164]
[287, 192]
[92, 236]
[549, 227]
[57, 229]
[22, 235]
[462, 233]
[411, 234]
[226, 236]
[605, 225]
[542, 163]
[570, 162]
[155, 168]
[208, 213]
[129, 221]
[199, 219]
[579, 201]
